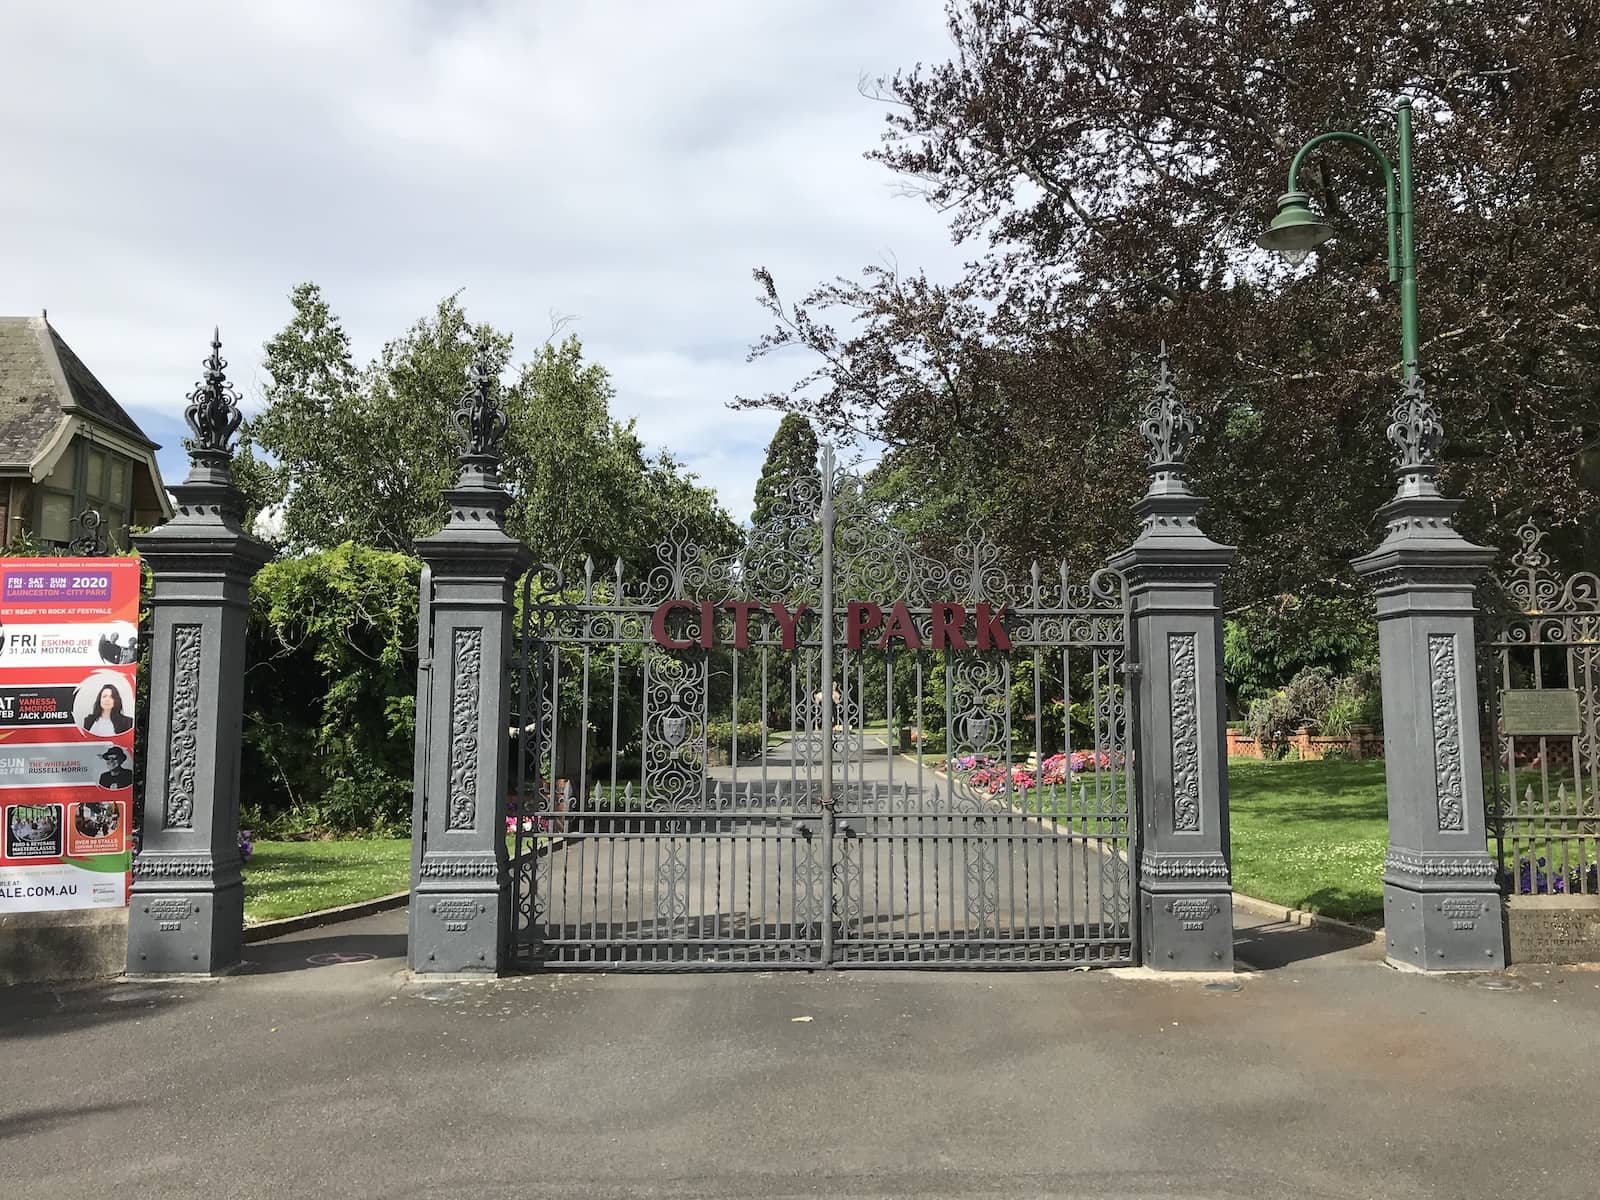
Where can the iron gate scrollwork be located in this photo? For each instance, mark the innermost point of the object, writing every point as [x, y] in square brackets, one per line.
[826, 750]
[1541, 656]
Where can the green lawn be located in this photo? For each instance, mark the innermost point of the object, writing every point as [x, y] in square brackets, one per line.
[1307, 835]
[1311, 835]
[285, 879]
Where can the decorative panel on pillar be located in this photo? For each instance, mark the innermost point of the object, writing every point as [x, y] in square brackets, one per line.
[1174, 574]
[460, 902]
[186, 908]
[1441, 900]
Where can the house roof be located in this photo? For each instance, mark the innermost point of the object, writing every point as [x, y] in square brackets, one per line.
[43, 382]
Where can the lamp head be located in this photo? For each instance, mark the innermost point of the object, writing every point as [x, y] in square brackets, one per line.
[1296, 230]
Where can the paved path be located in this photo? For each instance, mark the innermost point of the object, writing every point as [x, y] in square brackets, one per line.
[1324, 1074]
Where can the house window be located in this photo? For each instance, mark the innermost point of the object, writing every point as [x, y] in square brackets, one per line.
[86, 476]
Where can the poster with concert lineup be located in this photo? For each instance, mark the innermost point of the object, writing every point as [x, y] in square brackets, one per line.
[69, 639]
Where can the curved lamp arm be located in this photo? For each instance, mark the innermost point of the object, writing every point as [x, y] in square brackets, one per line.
[1390, 208]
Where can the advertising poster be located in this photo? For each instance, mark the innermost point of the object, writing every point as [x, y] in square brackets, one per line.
[69, 631]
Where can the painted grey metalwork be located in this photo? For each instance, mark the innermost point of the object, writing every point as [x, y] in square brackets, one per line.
[186, 913]
[1169, 427]
[1542, 660]
[91, 541]
[1415, 431]
[1174, 574]
[652, 831]
[460, 906]
[1441, 907]
[213, 413]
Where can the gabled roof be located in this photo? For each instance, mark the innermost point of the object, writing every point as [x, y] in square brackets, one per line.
[42, 382]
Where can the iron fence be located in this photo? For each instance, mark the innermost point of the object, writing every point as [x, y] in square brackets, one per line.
[825, 750]
[1542, 659]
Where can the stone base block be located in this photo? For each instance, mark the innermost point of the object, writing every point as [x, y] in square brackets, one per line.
[185, 932]
[1553, 929]
[458, 932]
[1187, 931]
[54, 947]
[1443, 931]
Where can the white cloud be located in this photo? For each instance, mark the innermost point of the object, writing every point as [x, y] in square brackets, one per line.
[623, 163]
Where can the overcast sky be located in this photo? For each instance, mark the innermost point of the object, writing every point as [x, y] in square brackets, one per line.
[624, 163]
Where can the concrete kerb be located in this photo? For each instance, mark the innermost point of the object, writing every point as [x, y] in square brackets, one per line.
[327, 916]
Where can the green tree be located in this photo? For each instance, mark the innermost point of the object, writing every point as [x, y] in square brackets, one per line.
[364, 456]
[1109, 167]
[791, 460]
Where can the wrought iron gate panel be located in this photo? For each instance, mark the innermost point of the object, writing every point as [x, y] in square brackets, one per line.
[1543, 648]
[650, 829]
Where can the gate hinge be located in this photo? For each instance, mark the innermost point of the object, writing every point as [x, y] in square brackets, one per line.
[1133, 668]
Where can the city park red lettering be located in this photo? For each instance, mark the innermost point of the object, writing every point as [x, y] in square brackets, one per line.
[865, 625]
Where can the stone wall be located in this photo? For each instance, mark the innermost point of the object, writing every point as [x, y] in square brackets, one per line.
[1553, 929]
[1362, 742]
[54, 947]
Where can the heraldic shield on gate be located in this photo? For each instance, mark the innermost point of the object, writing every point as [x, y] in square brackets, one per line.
[827, 750]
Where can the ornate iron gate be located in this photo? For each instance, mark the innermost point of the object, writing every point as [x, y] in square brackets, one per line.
[827, 750]
[1542, 659]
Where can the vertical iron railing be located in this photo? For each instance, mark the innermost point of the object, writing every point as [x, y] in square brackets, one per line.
[1542, 726]
[647, 832]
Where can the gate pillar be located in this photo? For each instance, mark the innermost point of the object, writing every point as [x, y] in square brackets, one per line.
[1441, 902]
[1174, 573]
[460, 890]
[186, 908]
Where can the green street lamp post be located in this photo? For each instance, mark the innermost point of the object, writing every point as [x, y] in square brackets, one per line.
[1297, 230]
[1441, 906]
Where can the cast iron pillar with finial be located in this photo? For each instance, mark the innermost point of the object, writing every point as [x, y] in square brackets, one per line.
[1174, 574]
[186, 910]
[460, 891]
[1441, 903]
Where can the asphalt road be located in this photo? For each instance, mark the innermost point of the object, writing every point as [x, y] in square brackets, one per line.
[1323, 1074]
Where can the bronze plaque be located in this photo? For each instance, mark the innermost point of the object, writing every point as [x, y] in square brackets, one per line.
[1536, 712]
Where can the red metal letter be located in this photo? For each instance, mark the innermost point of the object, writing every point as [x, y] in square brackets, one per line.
[947, 622]
[787, 621]
[708, 624]
[991, 629]
[658, 625]
[901, 625]
[861, 615]
[741, 610]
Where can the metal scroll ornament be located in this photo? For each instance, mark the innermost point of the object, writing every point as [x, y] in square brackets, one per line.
[1533, 584]
[479, 416]
[1168, 427]
[213, 413]
[1416, 430]
[91, 539]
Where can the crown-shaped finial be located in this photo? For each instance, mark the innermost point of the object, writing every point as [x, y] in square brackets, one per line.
[213, 413]
[1168, 426]
[1415, 430]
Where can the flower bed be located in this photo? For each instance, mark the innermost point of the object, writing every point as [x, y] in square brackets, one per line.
[985, 772]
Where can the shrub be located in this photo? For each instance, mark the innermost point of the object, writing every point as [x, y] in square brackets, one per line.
[1355, 701]
[719, 738]
[1265, 645]
[1308, 695]
[330, 694]
[1271, 719]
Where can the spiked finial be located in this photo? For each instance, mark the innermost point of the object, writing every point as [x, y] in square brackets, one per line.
[213, 412]
[1416, 430]
[1168, 426]
[479, 415]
